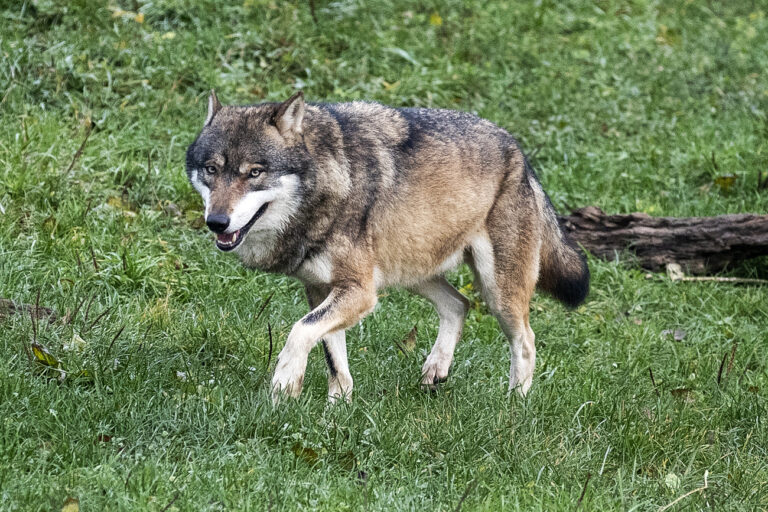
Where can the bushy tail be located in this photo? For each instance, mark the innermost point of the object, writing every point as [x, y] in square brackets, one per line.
[563, 270]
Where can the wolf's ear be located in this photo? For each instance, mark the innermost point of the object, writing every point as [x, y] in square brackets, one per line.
[290, 115]
[213, 107]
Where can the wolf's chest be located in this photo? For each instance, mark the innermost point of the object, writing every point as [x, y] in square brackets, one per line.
[316, 270]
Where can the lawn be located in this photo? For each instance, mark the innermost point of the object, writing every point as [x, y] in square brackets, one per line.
[650, 392]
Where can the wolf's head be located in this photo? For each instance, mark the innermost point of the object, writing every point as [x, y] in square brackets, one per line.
[247, 164]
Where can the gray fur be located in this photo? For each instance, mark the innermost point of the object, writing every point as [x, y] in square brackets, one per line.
[367, 196]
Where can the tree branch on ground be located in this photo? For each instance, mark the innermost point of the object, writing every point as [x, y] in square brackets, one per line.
[698, 244]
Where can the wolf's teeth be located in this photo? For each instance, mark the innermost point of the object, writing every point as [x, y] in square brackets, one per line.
[234, 236]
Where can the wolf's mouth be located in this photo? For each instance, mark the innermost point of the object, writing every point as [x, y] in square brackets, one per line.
[228, 241]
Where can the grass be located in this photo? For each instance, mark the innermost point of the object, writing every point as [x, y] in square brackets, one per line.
[630, 106]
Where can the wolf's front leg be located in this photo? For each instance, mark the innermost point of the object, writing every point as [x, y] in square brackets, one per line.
[335, 348]
[339, 377]
[343, 307]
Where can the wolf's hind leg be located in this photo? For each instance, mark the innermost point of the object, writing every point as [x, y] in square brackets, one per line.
[335, 349]
[508, 278]
[523, 351]
[451, 308]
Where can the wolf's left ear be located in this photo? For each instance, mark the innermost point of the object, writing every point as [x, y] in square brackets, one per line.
[213, 107]
[290, 115]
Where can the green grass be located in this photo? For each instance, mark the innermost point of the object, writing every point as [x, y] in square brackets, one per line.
[623, 104]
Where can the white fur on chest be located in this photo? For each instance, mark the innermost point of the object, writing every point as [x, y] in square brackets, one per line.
[316, 270]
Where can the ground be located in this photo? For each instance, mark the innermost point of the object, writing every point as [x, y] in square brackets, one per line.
[646, 106]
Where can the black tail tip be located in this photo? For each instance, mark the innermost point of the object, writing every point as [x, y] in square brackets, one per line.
[572, 289]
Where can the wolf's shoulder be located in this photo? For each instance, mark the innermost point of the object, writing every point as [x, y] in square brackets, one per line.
[358, 110]
[366, 121]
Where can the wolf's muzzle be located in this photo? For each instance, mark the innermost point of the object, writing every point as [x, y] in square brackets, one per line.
[217, 222]
[228, 241]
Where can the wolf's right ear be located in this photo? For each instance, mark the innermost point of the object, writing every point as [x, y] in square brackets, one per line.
[213, 107]
[290, 115]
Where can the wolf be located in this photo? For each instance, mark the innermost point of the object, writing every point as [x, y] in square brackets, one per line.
[354, 197]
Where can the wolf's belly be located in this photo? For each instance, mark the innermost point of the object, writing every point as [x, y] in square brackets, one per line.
[409, 273]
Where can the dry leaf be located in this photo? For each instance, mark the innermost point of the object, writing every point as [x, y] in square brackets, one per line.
[668, 36]
[128, 208]
[49, 365]
[195, 219]
[409, 343]
[308, 455]
[172, 209]
[71, 505]
[725, 182]
[348, 461]
[43, 356]
[49, 224]
[684, 393]
[84, 377]
[390, 86]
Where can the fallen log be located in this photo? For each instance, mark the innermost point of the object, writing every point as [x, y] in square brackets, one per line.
[698, 244]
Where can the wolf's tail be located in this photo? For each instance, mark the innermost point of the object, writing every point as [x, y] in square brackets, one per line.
[563, 270]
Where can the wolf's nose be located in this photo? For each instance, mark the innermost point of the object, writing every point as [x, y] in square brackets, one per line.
[218, 222]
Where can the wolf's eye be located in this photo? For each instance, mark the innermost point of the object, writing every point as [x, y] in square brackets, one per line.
[209, 169]
[255, 172]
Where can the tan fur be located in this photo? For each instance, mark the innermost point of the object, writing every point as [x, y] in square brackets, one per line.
[446, 188]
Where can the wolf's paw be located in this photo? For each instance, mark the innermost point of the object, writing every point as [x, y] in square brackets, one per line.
[434, 371]
[340, 387]
[521, 387]
[288, 379]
